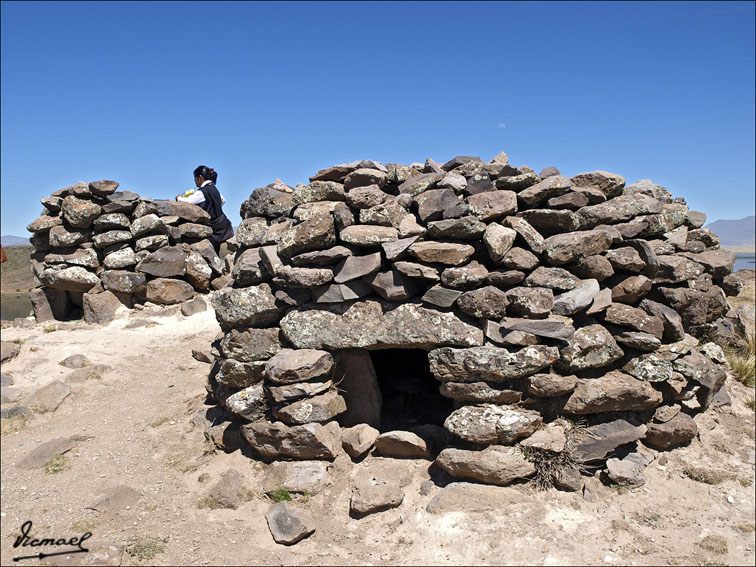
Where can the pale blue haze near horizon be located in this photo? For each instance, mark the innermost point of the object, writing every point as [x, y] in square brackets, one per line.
[143, 92]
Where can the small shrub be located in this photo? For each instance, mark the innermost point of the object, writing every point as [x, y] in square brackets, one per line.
[747, 528]
[751, 403]
[280, 494]
[159, 422]
[246, 495]
[208, 502]
[84, 525]
[18, 341]
[13, 424]
[706, 476]
[50, 329]
[56, 464]
[82, 437]
[146, 548]
[743, 362]
[715, 544]
[203, 478]
[33, 349]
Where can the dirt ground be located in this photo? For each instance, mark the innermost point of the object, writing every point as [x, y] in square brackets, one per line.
[135, 428]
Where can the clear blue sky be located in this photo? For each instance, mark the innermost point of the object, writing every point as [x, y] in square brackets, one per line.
[143, 92]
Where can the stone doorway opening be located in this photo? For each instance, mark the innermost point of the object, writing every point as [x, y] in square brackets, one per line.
[410, 392]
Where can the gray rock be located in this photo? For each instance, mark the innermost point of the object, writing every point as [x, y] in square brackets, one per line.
[505, 279]
[321, 257]
[610, 184]
[79, 213]
[164, 263]
[245, 307]
[517, 182]
[634, 318]
[615, 391]
[718, 263]
[8, 351]
[529, 234]
[441, 296]
[369, 322]
[75, 361]
[631, 290]
[498, 241]
[602, 439]
[592, 267]
[401, 444]
[312, 234]
[291, 392]
[416, 270]
[363, 176]
[122, 258]
[303, 277]
[532, 302]
[151, 243]
[492, 205]
[111, 238]
[601, 302]
[519, 259]
[39, 456]
[576, 300]
[550, 385]
[680, 429]
[74, 278]
[316, 409]
[114, 499]
[44, 224]
[676, 269]
[122, 281]
[488, 364]
[354, 267]
[340, 293]
[420, 183]
[464, 228]
[549, 221]
[145, 225]
[479, 392]
[589, 347]
[550, 437]
[62, 237]
[467, 277]
[397, 249]
[618, 209]
[300, 477]
[267, 202]
[289, 366]
[358, 440]
[554, 327]
[48, 398]
[250, 345]
[448, 253]
[167, 291]
[368, 236]
[489, 423]
[625, 258]
[319, 191]
[235, 374]
[563, 248]
[571, 200]
[432, 204]
[493, 465]
[100, 308]
[378, 486]
[629, 470]
[310, 441]
[248, 403]
[488, 302]
[288, 524]
[552, 186]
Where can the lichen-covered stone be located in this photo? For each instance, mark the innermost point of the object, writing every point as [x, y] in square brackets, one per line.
[488, 363]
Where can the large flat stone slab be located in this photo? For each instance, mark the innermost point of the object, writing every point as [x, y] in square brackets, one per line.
[376, 324]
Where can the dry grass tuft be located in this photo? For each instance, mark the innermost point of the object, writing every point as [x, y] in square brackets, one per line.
[715, 544]
[743, 362]
[549, 465]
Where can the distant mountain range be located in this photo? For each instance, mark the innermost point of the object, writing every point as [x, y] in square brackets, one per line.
[740, 233]
[9, 240]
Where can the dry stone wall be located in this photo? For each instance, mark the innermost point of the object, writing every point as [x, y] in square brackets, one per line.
[97, 248]
[535, 296]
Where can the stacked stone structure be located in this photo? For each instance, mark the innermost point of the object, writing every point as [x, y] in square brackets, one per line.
[534, 296]
[97, 248]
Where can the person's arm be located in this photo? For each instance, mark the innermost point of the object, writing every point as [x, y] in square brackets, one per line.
[195, 198]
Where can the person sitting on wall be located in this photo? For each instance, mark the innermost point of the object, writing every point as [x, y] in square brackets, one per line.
[209, 198]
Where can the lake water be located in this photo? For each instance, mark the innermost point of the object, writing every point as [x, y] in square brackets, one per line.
[744, 262]
[14, 305]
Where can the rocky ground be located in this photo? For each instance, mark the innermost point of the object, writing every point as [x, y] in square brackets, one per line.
[123, 456]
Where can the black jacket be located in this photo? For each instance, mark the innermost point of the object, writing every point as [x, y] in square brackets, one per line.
[222, 229]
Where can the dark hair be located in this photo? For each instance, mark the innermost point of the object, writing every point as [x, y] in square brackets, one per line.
[207, 173]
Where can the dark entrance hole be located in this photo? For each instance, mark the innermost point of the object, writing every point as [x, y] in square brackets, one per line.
[410, 392]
